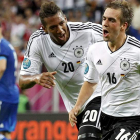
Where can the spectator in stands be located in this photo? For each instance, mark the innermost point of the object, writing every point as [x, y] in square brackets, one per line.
[94, 11]
[71, 15]
[9, 93]
[134, 30]
[79, 16]
[17, 31]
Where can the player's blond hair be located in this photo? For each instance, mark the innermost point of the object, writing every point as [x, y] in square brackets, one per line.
[126, 10]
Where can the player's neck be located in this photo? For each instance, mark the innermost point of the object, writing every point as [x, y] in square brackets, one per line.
[118, 43]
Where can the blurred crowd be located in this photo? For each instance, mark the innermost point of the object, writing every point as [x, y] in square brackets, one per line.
[19, 18]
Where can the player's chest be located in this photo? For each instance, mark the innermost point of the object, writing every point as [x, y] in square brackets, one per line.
[119, 64]
[67, 58]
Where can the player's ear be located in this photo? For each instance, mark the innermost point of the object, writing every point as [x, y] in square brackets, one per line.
[45, 30]
[124, 26]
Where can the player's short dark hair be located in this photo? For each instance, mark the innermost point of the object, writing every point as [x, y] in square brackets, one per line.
[126, 9]
[48, 9]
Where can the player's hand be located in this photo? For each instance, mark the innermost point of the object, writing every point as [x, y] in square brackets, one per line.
[73, 115]
[46, 79]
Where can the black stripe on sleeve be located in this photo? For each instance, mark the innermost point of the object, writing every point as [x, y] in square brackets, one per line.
[34, 35]
[134, 42]
[83, 26]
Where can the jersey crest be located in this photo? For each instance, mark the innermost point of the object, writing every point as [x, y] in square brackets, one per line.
[125, 64]
[78, 52]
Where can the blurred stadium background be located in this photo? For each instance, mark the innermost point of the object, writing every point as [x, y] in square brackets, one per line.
[42, 114]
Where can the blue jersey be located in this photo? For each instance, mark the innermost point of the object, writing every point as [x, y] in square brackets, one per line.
[8, 89]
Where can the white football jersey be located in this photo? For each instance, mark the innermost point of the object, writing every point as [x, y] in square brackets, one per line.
[67, 60]
[119, 74]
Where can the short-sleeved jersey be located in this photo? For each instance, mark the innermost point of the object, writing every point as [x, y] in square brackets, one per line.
[119, 74]
[8, 89]
[67, 60]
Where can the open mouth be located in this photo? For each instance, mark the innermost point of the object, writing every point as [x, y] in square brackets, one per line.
[105, 33]
[61, 37]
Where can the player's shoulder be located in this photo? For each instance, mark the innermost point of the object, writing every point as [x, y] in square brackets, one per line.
[5, 44]
[133, 42]
[34, 41]
[88, 24]
[80, 26]
[38, 33]
[98, 46]
[4, 41]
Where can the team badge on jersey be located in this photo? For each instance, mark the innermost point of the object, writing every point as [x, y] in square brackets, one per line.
[78, 52]
[26, 63]
[125, 65]
[86, 68]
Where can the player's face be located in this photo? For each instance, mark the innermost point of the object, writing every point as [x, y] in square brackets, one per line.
[111, 24]
[56, 27]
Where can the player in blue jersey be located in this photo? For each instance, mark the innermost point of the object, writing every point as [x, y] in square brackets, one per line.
[9, 93]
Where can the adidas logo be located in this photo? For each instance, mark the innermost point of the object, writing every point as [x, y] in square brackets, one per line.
[99, 62]
[52, 55]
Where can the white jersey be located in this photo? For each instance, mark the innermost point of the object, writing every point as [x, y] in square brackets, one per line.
[119, 73]
[67, 60]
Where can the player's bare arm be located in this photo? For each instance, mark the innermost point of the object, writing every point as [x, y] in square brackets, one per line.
[45, 79]
[2, 67]
[86, 91]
